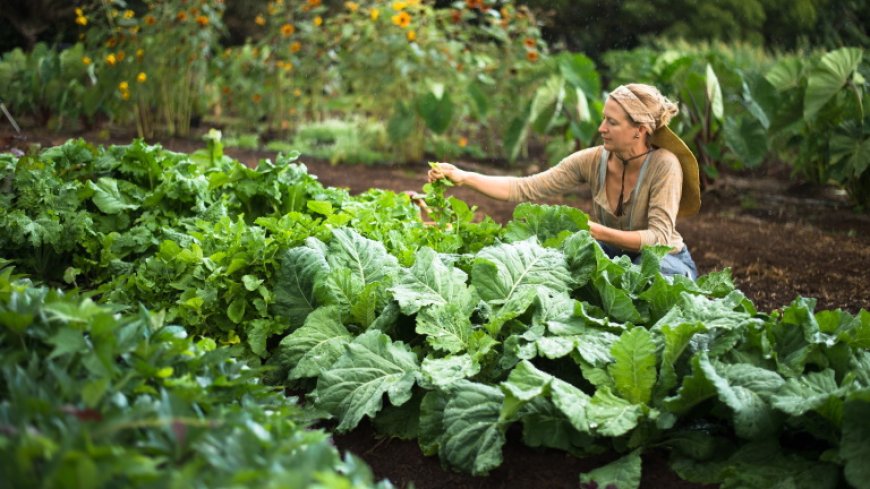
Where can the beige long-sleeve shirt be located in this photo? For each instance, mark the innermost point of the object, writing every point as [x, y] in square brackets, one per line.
[651, 208]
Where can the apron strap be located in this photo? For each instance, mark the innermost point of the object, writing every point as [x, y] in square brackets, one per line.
[602, 176]
[640, 177]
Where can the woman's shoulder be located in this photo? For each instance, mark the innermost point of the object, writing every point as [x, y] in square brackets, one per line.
[665, 164]
[666, 161]
[664, 154]
[588, 155]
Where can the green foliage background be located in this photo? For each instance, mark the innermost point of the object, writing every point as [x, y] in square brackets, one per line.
[591, 26]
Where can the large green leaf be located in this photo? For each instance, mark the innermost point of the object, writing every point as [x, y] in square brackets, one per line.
[747, 138]
[579, 70]
[622, 473]
[786, 73]
[447, 327]
[436, 109]
[852, 151]
[431, 427]
[315, 346]
[746, 389]
[430, 282]
[616, 300]
[441, 372]
[367, 260]
[508, 276]
[855, 445]
[634, 367]
[108, 198]
[401, 124]
[572, 402]
[473, 433]
[695, 388]
[816, 391]
[547, 104]
[611, 416]
[477, 92]
[676, 340]
[544, 425]
[516, 133]
[551, 224]
[298, 270]
[526, 383]
[370, 367]
[714, 94]
[828, 77]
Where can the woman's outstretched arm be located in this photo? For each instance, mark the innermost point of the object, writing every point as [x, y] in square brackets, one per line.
[496, 187]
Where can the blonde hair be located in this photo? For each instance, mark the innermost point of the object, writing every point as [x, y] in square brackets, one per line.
[645, 105]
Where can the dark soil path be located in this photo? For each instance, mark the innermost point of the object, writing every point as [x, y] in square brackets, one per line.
[780, 241]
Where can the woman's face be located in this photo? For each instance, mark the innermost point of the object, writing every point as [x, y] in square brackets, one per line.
[616, 130]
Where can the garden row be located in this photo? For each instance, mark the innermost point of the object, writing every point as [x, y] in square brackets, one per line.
[199, 290]
[391, 81]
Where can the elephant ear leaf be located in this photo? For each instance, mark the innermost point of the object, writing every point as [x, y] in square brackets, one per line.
[828, 77]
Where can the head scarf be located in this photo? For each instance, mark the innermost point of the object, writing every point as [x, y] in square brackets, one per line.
[635, 108]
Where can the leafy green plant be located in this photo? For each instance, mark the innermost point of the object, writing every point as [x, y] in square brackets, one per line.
[47, 83]
[337, 141]
[91, 396]
[820, 117]
[566, 105]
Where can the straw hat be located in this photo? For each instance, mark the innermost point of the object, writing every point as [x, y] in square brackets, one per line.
[690, 201]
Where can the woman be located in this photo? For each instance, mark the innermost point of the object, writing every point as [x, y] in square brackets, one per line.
[642, 178]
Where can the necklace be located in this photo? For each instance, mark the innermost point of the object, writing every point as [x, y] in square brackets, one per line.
[619, 210]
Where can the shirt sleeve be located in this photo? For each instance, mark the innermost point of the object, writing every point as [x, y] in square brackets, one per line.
[572, 171]
[666, 187]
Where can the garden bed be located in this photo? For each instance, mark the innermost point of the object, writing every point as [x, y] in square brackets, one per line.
[780, 242]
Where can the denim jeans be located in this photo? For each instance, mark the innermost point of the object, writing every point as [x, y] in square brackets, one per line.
[679, 263]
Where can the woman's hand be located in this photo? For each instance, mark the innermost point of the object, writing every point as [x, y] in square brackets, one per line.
[627, 240]
[595, 230]
[448, 171]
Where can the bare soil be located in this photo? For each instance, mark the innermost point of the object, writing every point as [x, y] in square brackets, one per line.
[781, 240]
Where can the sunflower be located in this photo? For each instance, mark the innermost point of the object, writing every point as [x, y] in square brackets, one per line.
[287, 30]
[402, 19]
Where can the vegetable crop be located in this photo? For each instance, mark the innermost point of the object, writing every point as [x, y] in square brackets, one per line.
[449, 333]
